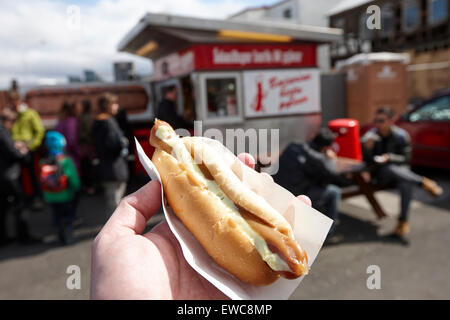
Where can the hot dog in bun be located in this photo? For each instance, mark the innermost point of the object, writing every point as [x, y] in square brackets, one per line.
[236, 226]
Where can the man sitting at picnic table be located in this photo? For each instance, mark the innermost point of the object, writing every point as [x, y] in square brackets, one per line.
[310, 169]
[387, 150]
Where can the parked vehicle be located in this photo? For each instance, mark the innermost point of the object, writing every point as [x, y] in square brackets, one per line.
[429, 127]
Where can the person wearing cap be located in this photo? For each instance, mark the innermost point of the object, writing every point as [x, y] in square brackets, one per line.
[387, 149]
[60, 182]
[309, 169]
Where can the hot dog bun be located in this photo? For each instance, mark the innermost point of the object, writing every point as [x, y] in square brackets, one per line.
[202, 216]
[230, 234]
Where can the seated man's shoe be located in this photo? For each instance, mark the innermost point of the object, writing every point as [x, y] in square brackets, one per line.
[400, 233]
[431, 187]
[402, 229]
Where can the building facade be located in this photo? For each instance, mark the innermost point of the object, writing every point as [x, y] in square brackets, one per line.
[304, 12]
[418, 27]
[124, 71]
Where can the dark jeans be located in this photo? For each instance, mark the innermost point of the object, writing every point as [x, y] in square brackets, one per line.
[63, 216]
[87, 178]
[327, 201]
[401, 178]
[12, 198]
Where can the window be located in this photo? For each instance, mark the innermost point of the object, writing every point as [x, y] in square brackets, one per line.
[338, 23]
[437, 11]
[411, 15]
[387, 20]
[221, 97]
[436, 110]
[287, 13]
[364, 32]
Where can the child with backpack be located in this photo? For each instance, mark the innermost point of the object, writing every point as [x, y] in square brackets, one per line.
[60, 182]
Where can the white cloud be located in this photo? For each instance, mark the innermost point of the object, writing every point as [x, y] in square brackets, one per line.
[41, 41]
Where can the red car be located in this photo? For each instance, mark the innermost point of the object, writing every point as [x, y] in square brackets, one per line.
[429, 127]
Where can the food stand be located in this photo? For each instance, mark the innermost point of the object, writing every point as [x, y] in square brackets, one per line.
[234, 74]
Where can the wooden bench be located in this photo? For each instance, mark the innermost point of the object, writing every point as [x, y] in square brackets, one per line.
[361, 187]
[368, 190]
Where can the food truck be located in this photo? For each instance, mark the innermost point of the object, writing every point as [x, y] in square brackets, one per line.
[236, 74]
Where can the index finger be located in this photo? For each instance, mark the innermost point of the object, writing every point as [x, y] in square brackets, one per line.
[247, 159]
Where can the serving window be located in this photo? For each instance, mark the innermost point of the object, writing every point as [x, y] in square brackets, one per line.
[221, 97]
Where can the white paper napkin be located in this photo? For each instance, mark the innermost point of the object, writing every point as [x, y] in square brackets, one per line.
[309, 225]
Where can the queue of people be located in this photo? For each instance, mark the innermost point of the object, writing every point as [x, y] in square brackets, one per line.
[82, 136]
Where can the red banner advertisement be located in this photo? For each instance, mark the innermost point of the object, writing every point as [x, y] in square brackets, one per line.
[235, 57]
[252, 56]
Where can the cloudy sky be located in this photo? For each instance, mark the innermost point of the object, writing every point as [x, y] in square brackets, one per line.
[44, 41]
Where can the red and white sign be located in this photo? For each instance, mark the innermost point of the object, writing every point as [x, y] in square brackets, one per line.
[281, 92]
[244, 56]
[174, 65]
[203, 57]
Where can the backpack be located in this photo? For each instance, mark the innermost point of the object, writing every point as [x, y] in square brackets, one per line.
[52, 176]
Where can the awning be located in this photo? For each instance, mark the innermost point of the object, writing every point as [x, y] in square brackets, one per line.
[157, 35]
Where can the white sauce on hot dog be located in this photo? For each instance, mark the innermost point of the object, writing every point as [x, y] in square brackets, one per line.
[184, 156]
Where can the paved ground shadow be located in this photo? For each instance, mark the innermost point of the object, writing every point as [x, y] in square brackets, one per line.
[353, 230]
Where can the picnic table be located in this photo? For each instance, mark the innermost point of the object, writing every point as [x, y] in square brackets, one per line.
[366, 188]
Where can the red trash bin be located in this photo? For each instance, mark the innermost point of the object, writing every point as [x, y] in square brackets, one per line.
[347, 143]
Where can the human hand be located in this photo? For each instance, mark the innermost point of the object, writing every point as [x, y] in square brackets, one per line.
[127, 264]
[366, 176]
[330, 154]
[21, 147]
[384, 158]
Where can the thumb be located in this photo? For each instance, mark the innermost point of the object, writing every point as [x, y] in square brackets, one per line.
[135, 210]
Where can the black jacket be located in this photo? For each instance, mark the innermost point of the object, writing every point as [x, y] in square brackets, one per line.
[397, 145]
[9, 157]
[167, 112]
[122, 120]
[301, 169]
[109, 143]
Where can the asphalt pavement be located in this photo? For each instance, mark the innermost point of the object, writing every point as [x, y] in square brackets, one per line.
[345, 270]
